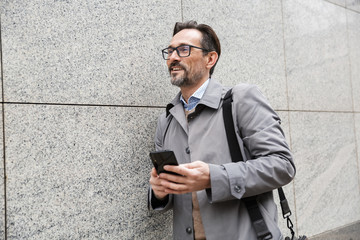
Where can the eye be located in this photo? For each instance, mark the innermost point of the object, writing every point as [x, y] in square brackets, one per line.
[184, 49]
[169, 51]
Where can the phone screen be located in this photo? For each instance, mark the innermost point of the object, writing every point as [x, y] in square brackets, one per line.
[162, 158]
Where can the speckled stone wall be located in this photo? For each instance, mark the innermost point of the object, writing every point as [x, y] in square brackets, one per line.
[84, 81]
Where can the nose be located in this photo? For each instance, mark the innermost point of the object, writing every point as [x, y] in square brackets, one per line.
[174, 56]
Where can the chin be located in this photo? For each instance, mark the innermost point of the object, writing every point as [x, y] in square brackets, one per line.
[178, 81]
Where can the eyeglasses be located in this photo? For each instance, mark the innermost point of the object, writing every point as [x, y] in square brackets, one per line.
[182, 51]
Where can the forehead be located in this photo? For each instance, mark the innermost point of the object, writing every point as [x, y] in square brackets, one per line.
[186, 36]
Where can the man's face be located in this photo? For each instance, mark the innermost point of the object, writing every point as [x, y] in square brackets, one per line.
[187, 71]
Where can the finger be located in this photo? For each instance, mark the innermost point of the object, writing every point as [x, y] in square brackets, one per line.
[168, 177]
[159, 192]
[175, 188]
[153, 172]
[154, 181]
[158, 188]
[193, 165]
[181, 170]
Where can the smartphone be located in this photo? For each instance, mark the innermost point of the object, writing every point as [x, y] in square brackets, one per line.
[162, 158]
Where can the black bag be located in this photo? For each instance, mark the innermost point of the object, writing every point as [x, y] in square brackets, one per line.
[251, 204]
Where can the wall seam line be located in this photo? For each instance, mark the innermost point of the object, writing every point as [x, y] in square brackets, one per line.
[83, 105]
[346, 7]
[161, 107]
[3, 128]
[352, 97]
[288, 106]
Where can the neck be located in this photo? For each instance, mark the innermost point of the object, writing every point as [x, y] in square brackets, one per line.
[188, 91]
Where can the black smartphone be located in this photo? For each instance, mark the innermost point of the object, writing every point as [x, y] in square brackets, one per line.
[162, 158]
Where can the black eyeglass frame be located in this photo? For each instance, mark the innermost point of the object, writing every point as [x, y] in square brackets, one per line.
[178, 52]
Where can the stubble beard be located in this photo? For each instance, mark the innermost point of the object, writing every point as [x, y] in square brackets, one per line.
[180, 81]
[184, 80]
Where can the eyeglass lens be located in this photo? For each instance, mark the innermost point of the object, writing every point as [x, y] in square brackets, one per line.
[182, 51]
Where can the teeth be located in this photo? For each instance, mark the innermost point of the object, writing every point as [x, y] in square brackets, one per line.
[176, 69]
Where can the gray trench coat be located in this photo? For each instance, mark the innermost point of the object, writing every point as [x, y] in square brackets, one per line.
[203, 138]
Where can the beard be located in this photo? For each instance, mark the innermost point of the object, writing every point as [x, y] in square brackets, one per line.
[180, 81]
[186, 78]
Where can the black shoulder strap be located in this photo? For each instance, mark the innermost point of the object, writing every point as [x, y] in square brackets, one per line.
[230, 129]
[251, 204]
[167, 127]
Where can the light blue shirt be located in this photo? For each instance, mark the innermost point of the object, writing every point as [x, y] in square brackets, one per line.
[195, 98]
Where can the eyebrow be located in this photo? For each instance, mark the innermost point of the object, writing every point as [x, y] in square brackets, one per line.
[181, 44]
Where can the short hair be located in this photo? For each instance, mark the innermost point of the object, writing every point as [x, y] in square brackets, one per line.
[209, 40]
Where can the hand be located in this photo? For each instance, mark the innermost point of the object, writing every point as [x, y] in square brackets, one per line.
[195, 176]
[156, 186]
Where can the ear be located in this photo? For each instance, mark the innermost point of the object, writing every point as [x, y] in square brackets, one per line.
[211, 59]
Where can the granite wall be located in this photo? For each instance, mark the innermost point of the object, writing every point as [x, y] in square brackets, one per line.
[84, 81]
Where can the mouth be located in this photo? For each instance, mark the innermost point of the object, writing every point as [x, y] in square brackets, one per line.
[175, 68]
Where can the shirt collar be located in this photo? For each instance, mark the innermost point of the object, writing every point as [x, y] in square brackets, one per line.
[211, 98]
[195, 98]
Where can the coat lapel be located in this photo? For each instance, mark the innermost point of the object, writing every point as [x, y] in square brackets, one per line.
[211, 98]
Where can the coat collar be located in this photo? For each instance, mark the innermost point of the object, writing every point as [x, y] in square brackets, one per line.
[211, 98]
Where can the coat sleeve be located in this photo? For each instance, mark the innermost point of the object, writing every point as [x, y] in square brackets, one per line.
[153, 203]
[269, 165]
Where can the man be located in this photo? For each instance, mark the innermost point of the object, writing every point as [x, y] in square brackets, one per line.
[206, 196]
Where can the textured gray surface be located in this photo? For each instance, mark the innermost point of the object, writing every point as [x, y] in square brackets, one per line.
[357, 128]
[80, 173]
[317, 56]
[252, 39]
[2, 185]
[354, 46]
[338, 2]
[327, 183]
[351, 232]
[98, 52]
[353, 5]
